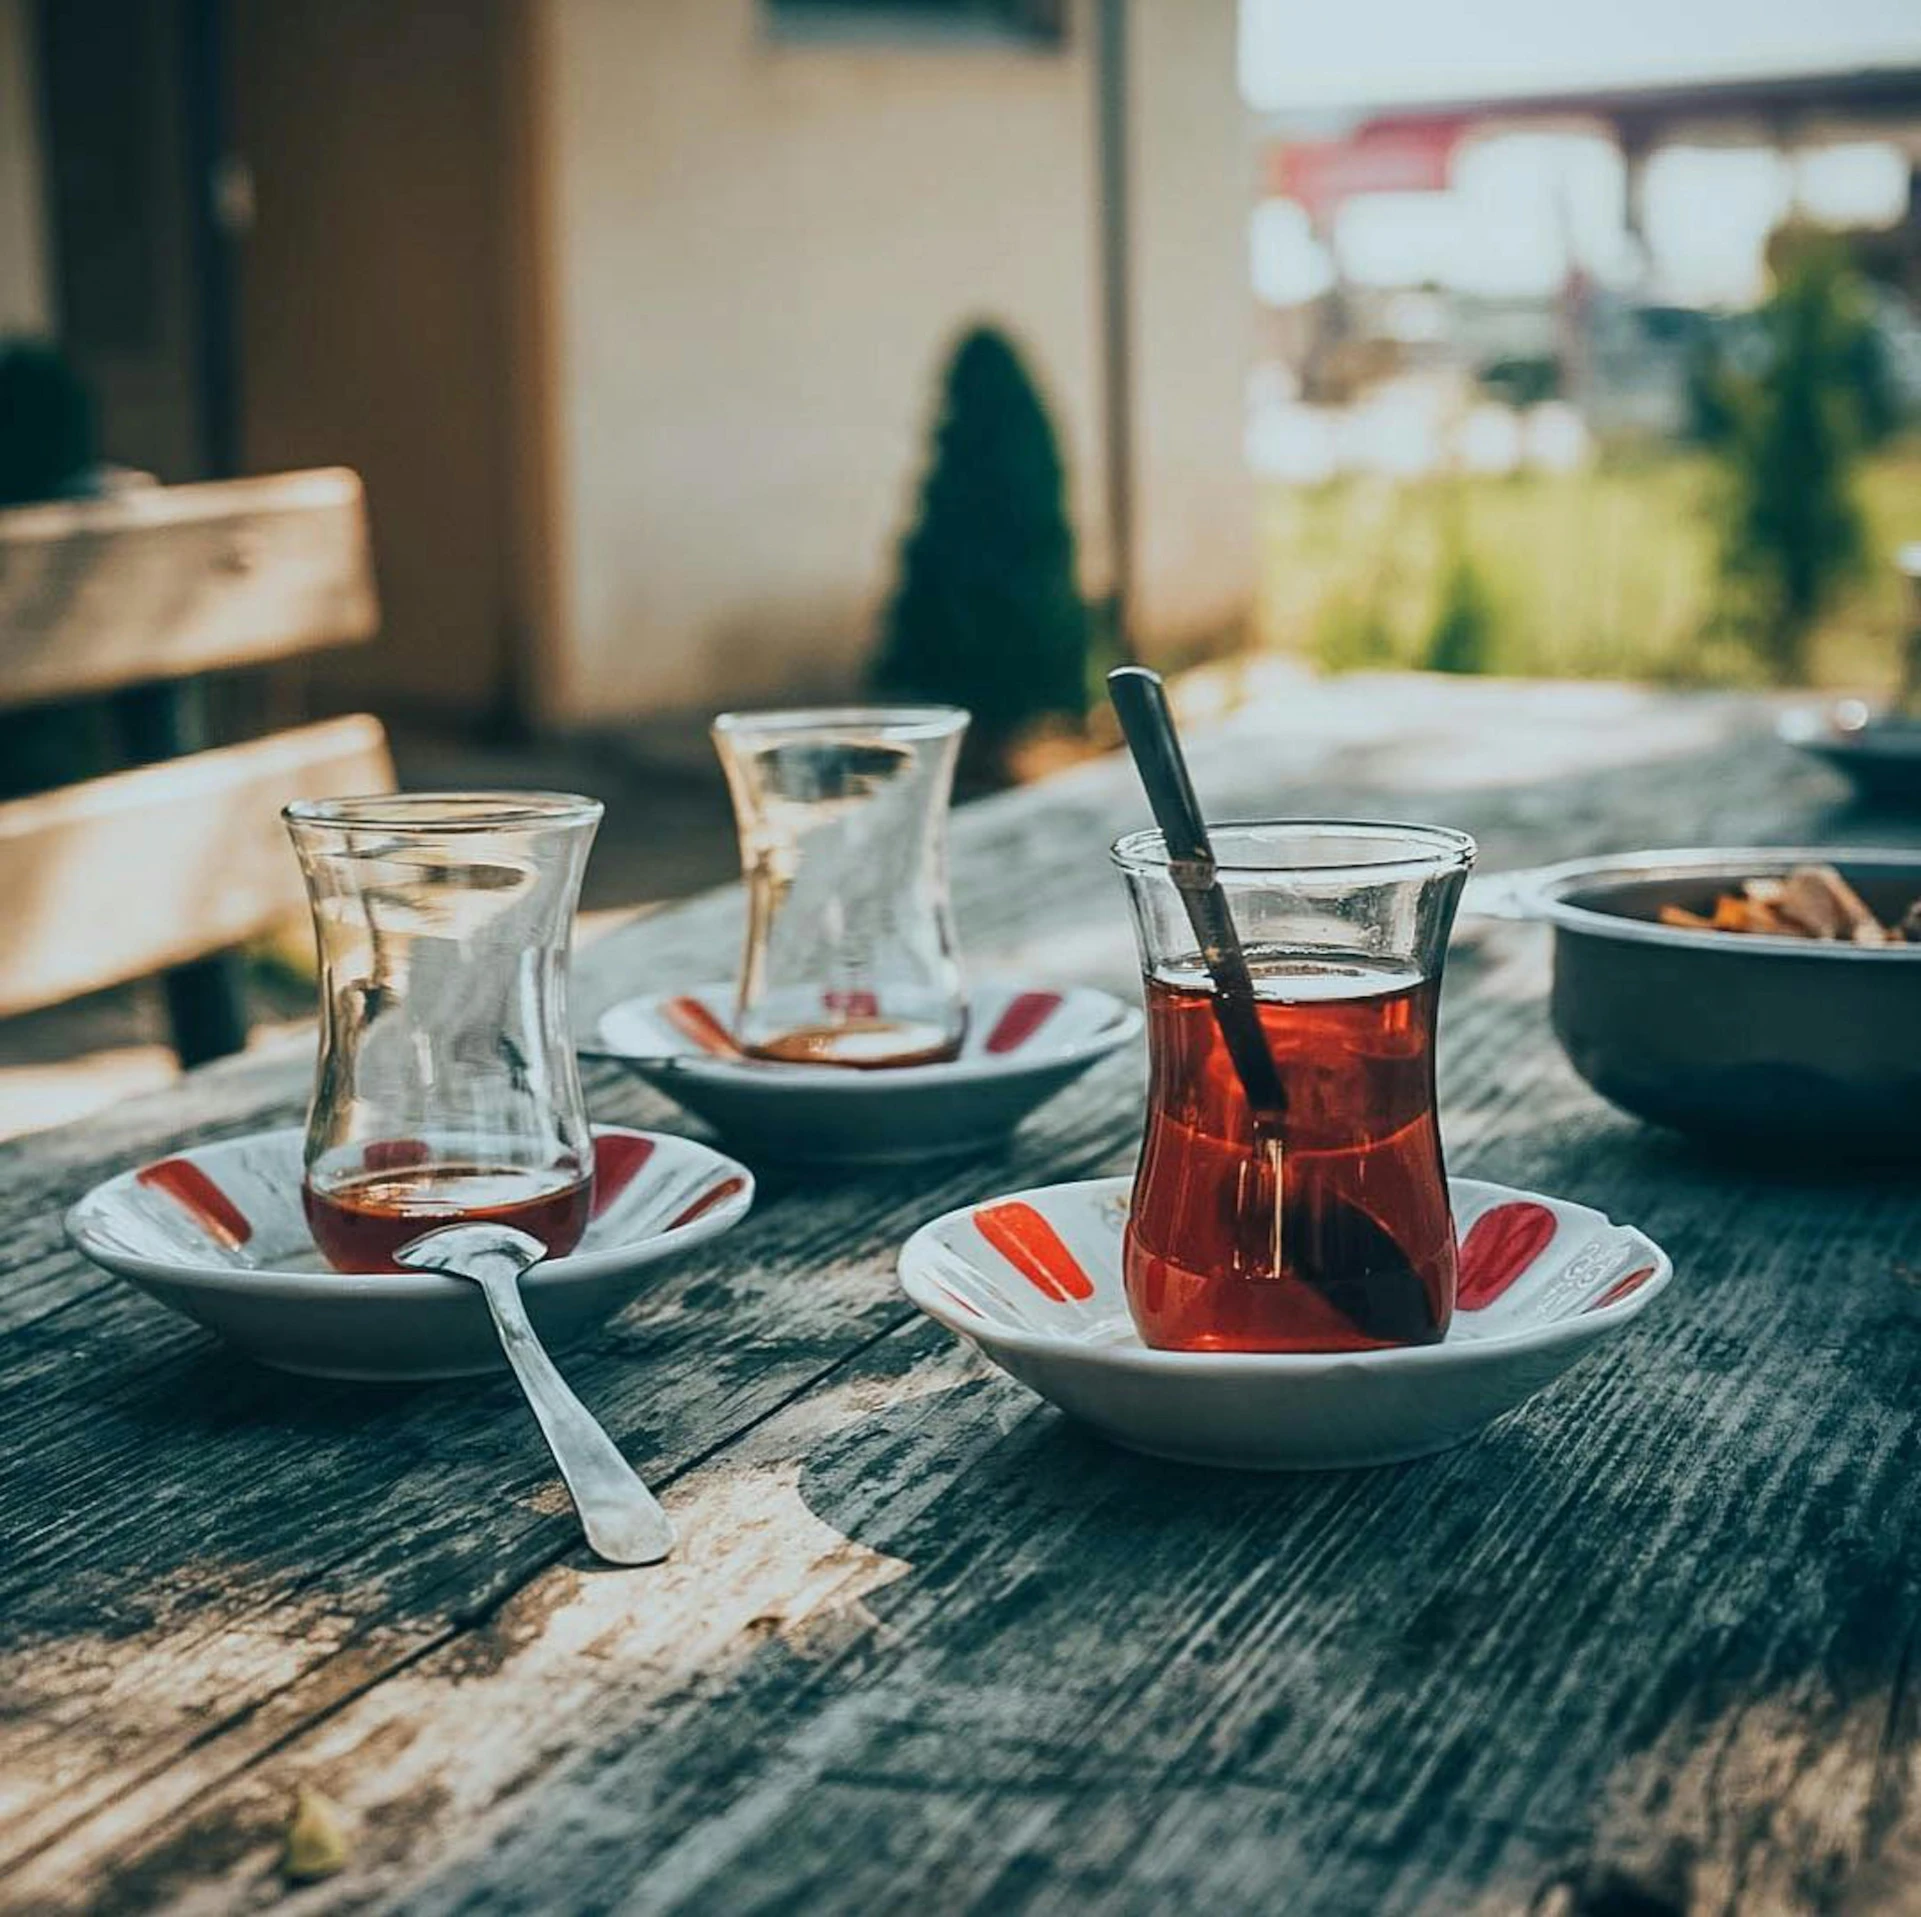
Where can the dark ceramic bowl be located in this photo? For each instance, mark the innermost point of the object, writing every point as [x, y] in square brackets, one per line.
[1811, 1046]
[1880, 753]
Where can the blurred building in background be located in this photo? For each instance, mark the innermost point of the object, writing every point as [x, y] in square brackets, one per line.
[630, 311]
[1589, 341]
[1425, 265]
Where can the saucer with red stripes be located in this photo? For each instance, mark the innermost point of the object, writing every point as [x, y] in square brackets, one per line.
[1024, 1044]
[1034, 1281]
[219, 1234]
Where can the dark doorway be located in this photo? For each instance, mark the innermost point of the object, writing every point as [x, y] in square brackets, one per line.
[295, 234]
[132, 110]
[375, 315]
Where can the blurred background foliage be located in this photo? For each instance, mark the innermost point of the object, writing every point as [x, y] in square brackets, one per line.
[49, 434]
[1753, 549]
[1791, 427]
[1610, 572]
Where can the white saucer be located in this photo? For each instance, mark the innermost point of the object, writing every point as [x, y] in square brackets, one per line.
[1542, 1282]
[1023, 1044]
[217, 1233]
[1879, 751]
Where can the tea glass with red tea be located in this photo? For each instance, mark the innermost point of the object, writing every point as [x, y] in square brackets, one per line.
[842, 814]
[446, 1089]
[1325, 1226]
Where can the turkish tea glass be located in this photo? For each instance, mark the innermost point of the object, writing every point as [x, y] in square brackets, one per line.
[842, 814]
[446, 1089]
[1337, 1235]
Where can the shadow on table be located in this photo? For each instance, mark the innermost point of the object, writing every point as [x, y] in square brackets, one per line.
[218, 1528]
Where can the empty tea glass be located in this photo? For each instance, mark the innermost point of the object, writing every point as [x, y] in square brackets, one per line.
[842, 814]
[1336, 1234]
[446, 1089]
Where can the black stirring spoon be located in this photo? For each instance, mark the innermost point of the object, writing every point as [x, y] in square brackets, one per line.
[1340, 1250]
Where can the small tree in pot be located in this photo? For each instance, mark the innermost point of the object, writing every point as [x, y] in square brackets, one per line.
[986, 612]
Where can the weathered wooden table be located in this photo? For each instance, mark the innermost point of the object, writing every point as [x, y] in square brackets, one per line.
[1646, 1645]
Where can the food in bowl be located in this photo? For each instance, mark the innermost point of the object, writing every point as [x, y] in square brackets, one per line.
[1811, 902]
[1808, 1046]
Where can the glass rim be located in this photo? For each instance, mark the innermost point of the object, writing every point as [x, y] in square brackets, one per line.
[1408, 851]
[434, 814]
[891, 721]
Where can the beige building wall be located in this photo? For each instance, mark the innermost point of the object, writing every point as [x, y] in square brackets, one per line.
[734, 266]
[25, 301]
[1193, 325]
[759, 252]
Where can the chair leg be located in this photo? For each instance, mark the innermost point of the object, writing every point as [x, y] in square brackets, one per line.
[207, 1008]
[207, 999]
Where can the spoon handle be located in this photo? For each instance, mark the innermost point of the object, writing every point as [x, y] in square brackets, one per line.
[1147, 723]
[621, 1517]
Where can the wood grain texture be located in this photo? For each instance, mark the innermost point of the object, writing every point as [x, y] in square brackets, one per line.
[927, 1645]
[164, 582]
[119, 877]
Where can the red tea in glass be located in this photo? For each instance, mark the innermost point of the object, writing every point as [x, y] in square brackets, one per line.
[446, 1089]
[853, 1031]
[842, 813]
[1329, 1229]
[1205, 1267]
[361, 1222]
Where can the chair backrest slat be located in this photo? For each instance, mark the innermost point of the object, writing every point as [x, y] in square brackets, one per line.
[162, 582]
[127, 875]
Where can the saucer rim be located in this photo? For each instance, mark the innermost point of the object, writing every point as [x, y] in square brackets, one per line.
[400, 1287]
[772, 1075]
[922, 1291]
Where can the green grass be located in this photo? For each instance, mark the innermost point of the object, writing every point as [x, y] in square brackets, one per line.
[1608, 573]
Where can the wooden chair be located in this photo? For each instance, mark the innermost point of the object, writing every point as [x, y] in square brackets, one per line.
[167, 867]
